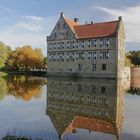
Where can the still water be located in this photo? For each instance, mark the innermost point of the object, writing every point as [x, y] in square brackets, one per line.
[69, 109]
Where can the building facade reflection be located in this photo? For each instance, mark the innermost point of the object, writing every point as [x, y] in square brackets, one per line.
[96, 105]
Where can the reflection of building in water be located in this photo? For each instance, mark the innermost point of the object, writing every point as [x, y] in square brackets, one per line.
[97, 105]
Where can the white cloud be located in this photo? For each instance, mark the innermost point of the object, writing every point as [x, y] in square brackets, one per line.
[33, 17]
[28, 33]
[7, 9]
[15, 39]
[131, 18]
[29, 26]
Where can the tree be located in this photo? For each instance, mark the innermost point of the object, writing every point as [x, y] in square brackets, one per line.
[3, 54]
[128, 62]
[26, 58]
[134, 57]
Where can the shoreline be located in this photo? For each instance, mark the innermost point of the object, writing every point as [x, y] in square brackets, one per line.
[4, 73]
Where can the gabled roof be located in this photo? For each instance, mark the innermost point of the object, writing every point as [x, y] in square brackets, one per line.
[94, 30]
[96, 125]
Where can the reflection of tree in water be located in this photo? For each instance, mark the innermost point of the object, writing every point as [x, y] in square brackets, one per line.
[15, 138]
[134, 91]
[8, 137]
[25, 87]
[3, 88]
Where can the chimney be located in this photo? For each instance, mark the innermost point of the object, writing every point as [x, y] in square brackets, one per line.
[120, 18]
[91, 22]
[61, 14]
[76, 19]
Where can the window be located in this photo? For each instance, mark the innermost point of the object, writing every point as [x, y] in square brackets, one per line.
[94, 67]
[71, 44]
[61, 45]
[55, 35]
[93, 43]
[103, 90]
[108, 42]
[80, 66]
[103, 67]
[83, 44]
[71, 57]
[79, 87]
[101, 43]
[61, 58]
[105, 42]
[93, 89]
[81, 55]
[92, 55]
[104, 55]
[52, 57]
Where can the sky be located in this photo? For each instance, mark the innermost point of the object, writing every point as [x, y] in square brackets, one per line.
[28, 22]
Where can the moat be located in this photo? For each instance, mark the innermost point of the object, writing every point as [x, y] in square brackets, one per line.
[69, 109]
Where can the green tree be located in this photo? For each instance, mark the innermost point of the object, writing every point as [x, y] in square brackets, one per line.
[134, 56]
[3, 54]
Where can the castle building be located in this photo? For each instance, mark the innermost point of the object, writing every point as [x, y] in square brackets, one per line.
[87, 50]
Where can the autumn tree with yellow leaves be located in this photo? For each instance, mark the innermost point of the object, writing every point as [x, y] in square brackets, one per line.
[25, 58]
